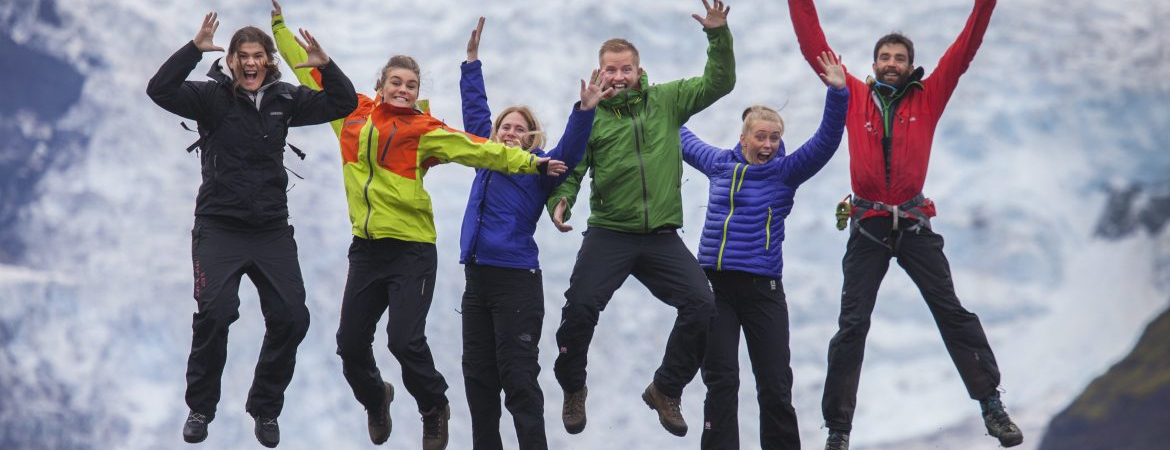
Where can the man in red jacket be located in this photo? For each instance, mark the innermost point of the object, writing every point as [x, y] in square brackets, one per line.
[891, 121]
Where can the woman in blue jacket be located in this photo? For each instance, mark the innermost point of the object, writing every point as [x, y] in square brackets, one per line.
[503, 303]
[752, 191]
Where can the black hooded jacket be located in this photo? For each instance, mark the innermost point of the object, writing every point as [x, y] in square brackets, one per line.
[243, 135]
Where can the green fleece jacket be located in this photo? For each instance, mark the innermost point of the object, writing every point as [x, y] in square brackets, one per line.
[634, 154]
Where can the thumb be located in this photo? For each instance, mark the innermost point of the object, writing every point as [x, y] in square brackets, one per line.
[216, 48]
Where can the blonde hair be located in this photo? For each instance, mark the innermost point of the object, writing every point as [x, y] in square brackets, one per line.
[618, 45]
[398, 62]
[756, 113]
[534, 138]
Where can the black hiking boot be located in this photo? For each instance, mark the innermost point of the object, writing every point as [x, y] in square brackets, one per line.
[267, 431]
[999, 424]
[573, 411]
[838, 440]
[378, 419]
[668, 410]
[435, 427]
[195, 428]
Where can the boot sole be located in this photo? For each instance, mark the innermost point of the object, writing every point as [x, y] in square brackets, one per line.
[680, 432]
[1011, 441]
[574, 428]
[194, 439]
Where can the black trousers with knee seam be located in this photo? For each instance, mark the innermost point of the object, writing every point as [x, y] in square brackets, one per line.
[920, 253]
[398, 278]
[503, 311]
[222, 252]
[667, 268]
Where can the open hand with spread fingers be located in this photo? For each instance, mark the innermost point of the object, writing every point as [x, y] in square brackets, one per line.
[317, 56]
[203, 39]
[832, 72]
[473, 43]
[597, 89]
[275, 8]
[716, 15]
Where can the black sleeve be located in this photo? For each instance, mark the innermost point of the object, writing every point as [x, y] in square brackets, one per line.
[336, 100]
[170, 90]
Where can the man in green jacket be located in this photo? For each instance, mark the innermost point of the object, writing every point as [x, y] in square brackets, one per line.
[635, 157]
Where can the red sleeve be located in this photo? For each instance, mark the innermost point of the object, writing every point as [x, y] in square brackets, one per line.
[808, 31]
[941, 83]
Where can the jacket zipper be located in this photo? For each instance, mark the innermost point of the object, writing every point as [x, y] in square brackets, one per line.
[735, 174]
[386, 148]
[641, 169]
[768, 230]
[366, 192]
[479, 218]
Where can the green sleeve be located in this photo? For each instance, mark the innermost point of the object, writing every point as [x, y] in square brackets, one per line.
[451, 146]
[570, 187]
[292, 53]
[696, 94]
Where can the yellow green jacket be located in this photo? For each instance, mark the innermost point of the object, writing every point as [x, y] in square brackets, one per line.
[386, 151]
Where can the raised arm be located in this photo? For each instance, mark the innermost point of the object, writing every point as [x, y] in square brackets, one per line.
[571, 148]
[338, 98]
[168, 87]
[695, 94]
[698, 154]
[809, 34]
[295, 56]
[812, 156]
[477, 115]
[942, 82]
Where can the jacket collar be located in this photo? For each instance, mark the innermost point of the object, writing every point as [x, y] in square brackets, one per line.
[891, 92]
[628, 97]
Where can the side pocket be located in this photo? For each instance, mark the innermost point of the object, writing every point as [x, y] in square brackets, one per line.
[768, 230]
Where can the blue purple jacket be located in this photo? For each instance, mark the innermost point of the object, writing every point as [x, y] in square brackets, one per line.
[502, 209]
[747, 203]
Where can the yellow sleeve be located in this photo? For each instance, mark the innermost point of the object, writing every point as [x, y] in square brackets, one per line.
[452, 146]
[293, 54]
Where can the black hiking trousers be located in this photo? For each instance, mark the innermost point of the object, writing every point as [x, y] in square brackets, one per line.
[222, 252]
[667, 268]
[395, 277]
[756, 305]
[503, 311]
[920, 253]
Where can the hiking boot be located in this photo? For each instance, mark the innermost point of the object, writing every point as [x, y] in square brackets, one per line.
[668, 410]
[378, 419]
[435, 427]
[838, 440]
[573, 411]
[195, 428]
[267, 431]
[999, 424]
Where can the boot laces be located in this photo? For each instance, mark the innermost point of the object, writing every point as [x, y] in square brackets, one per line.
[431, 424]
[196, 418]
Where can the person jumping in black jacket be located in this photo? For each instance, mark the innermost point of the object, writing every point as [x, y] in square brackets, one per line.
[241, 211]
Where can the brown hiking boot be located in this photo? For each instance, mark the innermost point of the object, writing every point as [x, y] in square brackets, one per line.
[435, 427]
[378, 419]
[668, 410]
[573, 411]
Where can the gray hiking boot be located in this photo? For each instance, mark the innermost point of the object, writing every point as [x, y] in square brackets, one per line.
[669, 414]
[999, 424]
[435, 427]
[838, 440]
[378, 420]
[573, 411]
